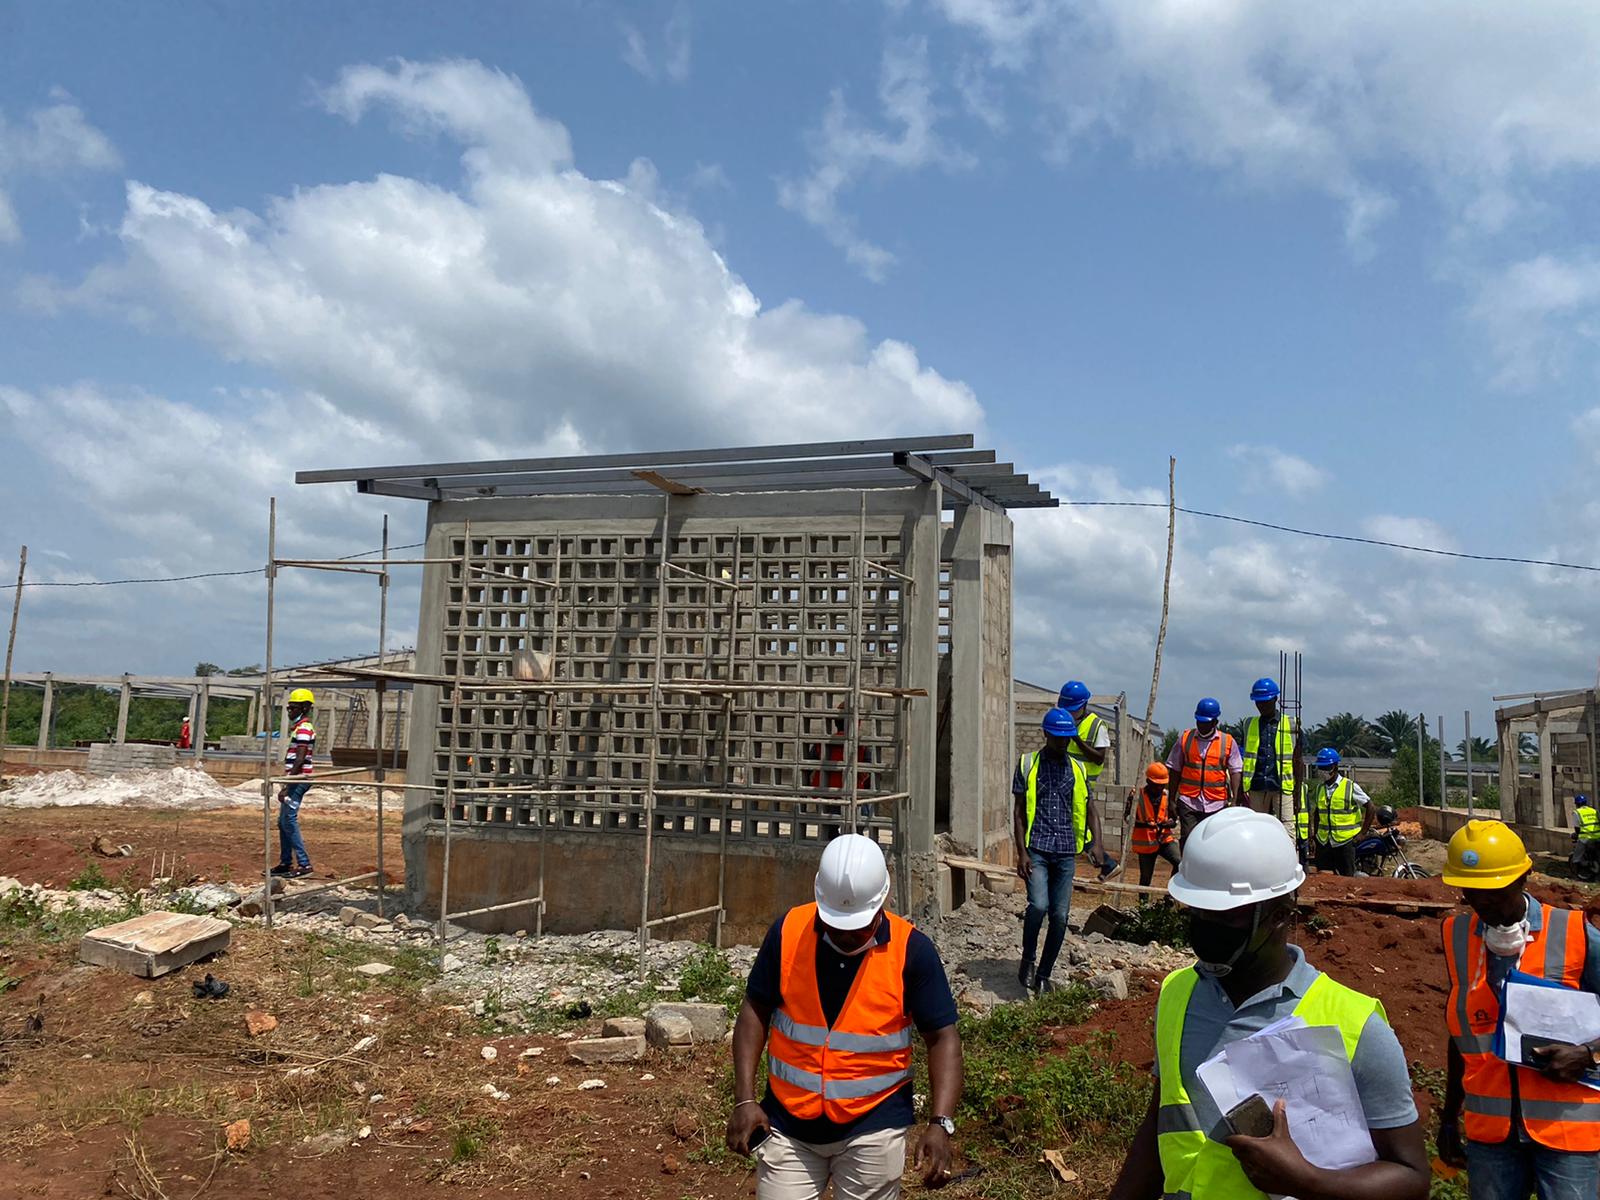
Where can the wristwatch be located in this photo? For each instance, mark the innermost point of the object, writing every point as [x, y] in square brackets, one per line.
[944, 1123]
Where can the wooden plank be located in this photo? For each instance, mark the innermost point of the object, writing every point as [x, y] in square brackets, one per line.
[671, 486]
[155, 943]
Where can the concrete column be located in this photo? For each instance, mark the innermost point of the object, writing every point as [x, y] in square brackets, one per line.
[197, 728]
[966, 680]
[1547, 779]
[47, 712]
[250, 725]
[1507, 741]
[122, 711]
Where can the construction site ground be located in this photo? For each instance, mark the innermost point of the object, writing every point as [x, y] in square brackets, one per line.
[115, 1085]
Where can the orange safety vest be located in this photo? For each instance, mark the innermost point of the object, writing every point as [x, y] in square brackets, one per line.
[1198, 768]
[844, 1071]
[1562, 1116]
[1148, 836]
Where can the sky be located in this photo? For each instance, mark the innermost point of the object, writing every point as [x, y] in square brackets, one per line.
[1339, 262]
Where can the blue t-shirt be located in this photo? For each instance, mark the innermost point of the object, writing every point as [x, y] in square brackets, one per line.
[929, 1004]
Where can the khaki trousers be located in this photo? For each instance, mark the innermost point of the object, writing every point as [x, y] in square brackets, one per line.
[1275, 803]
[866, 1167]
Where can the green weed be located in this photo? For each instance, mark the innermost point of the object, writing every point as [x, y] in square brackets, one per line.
[709, 976]
[89, 879]
[1161, 922]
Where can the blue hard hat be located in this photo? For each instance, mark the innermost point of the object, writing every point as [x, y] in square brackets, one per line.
[1327, 757]
[1580, 798]
[1264, 689]
[1208, 710]
[1058, 722]
[1074, 695]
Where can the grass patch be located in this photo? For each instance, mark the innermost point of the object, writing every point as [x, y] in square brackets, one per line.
[710, 977]
[470, 1139]
[24, 919]
[1162, 922]
[89, 879]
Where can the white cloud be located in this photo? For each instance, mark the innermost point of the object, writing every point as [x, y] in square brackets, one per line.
[1269, 469]
[1538, 312]
[534, 306]
[844, 150]
[1409, 531]
[49, 142]
[676, 48]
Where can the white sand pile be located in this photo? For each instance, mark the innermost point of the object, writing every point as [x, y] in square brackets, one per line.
[178, 787]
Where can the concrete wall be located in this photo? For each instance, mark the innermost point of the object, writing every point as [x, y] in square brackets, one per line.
[793, 629]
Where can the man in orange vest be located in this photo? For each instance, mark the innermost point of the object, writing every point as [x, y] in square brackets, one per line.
[1205, 768]
[1515, 1128]
[1152, 824]
[835, 991]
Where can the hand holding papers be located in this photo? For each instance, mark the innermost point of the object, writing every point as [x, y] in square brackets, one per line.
[1538, 1015]
[1306, 1067]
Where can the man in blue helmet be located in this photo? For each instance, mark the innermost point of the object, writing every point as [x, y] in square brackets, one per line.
[1274, 766]
[1341, 814]
[1203, 770]
[1052, 822]
[1092, 743]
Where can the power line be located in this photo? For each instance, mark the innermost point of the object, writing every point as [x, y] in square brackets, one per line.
[76, 583]
[1335, 537]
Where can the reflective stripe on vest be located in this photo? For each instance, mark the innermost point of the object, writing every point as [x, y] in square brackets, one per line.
[1080, 799]
[1338, 814]
[1148, 836]
[1086, 728]
[1562, 1116]
[1191, 1163]
[1252, 747]
[1195, 778]
[1302, 818]
[844, 1071]
[1588, 825]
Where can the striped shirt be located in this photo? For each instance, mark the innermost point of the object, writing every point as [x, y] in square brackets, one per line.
[303, 734]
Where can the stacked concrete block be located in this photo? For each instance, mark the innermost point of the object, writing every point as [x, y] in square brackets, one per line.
[109, 758]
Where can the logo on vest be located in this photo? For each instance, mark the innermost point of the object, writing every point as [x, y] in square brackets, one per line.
[1481, 1016]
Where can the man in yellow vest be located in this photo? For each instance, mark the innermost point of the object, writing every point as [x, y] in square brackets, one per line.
[1341, 814]
[1238, 880]
[1585, 837]
[1274, 767]
[836, 990]
[1526, 1129]
[1092, 743]
[1052, 823]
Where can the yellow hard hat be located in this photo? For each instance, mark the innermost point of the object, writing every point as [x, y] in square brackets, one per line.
[1485, 854]
[302, 696]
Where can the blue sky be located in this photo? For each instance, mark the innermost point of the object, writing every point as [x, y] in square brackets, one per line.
[1341, 266]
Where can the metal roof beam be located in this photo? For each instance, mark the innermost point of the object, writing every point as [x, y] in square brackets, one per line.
[657, 458]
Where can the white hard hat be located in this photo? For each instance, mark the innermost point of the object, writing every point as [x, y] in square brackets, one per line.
[852, 882]
[1234, 858]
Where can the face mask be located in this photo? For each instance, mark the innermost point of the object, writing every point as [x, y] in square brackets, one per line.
[1221, 948]
[1331, 777]
[838, 949]
[1506, 940]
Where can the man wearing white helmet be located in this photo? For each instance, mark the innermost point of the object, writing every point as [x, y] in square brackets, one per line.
[834, 993]
[1238, 880]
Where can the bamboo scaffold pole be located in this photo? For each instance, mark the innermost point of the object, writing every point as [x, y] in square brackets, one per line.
[267, 707]
[655, 728]
[378, 687]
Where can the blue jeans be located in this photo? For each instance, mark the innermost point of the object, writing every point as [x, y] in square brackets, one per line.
[1515, 1169]
[1049, 893]
[289, 826]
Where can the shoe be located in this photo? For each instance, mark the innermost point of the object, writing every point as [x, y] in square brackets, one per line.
[1042, 986]
[1025, 974]
[1109, 869]
[281, 869]
[298, 872]
[210, 988]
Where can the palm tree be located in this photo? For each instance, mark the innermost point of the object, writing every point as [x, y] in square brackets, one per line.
[1236, 728]
[1483, 750]
[1346, 732]
[1168, 741]
[1527, 745]
[1396, 729]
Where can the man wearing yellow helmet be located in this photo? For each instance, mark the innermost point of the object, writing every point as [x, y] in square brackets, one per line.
[1516, 1129]
[297, 762]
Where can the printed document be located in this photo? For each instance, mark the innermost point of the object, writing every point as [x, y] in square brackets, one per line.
[1537, 1015]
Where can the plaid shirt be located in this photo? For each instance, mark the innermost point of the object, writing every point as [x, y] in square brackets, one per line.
[1052, 815]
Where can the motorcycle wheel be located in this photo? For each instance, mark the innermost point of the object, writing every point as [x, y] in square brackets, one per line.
[1411, 871]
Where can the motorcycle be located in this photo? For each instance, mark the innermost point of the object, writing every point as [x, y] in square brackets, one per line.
[1382, 847]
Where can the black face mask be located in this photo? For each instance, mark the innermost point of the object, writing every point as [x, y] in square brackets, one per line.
[1222, 948]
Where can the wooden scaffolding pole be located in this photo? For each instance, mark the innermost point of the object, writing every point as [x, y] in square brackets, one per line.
[11, 645]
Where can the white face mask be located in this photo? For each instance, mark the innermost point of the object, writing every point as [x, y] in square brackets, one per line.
[837, 949]
[1506, 940]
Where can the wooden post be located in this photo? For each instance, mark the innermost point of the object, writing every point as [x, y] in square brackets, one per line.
[197, 730]
[122, 709]
[11, 645]
[48, 712]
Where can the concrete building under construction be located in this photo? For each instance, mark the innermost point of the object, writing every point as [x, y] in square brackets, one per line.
[640, 677]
